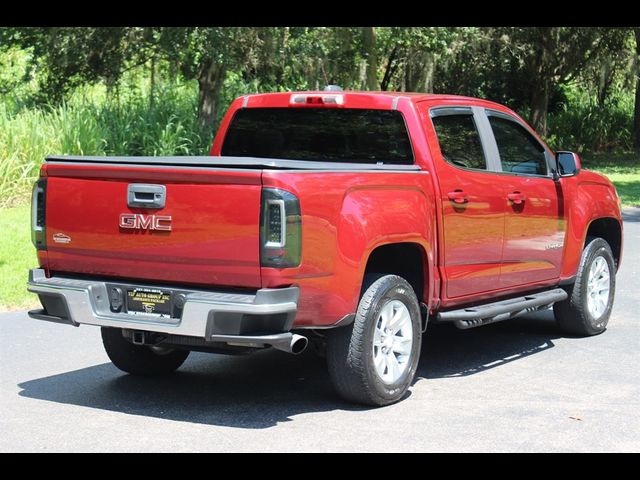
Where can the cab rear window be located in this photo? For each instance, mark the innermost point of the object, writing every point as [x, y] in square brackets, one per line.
[320, 134]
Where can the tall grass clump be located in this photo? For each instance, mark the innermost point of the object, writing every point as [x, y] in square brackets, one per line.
[91, 124]
[27, 137]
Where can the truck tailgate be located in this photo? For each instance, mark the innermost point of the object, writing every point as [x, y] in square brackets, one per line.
[214, 223]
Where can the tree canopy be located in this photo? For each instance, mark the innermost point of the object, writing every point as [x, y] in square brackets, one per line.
[531, 69]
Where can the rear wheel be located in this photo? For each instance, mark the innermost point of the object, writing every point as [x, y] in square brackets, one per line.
[140, 359]
[374, 360]
[587, 310]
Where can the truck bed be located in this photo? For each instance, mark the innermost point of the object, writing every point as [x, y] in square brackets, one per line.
[213, 204]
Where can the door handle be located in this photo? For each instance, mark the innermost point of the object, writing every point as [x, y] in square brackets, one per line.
[517, 198]
[458, 196]
[144, 195]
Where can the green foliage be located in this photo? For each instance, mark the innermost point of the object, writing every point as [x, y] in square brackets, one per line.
[587, 126]
[16, 83]
[89, 124]
[64, 58]
[17, 256]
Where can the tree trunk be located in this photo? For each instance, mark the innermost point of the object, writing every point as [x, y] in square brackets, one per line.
[543, 76]
[210, 80]
[542, 79]
[362, 74]
[636, 110]
[429, 69]
[152, 86]
[369, 41]
[604, 81]
[413, 70]
[384, 85]
[539, 104]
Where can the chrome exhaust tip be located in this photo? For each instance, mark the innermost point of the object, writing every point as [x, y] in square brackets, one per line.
[295, 345]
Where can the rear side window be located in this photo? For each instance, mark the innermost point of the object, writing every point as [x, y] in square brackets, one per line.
[459, 141]
[519, 151]
[319, 134]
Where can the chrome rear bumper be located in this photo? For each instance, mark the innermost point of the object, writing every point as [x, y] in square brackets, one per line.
[215, 316]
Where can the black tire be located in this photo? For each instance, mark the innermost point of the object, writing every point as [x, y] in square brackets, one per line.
[350, 356]
[139, 359]
[572, 315]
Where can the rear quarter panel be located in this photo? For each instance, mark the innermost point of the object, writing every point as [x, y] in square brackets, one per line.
[345, 216]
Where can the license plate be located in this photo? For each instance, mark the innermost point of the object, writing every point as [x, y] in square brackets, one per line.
[150, 301]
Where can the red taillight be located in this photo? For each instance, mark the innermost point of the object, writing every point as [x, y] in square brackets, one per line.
[38, 214]
[280, 229]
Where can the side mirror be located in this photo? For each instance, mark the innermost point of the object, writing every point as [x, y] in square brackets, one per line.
[568, 164]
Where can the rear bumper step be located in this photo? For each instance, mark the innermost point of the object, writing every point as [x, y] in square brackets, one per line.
[503, 310]
[262, 318]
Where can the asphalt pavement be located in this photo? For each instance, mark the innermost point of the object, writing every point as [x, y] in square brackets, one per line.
[519, 385]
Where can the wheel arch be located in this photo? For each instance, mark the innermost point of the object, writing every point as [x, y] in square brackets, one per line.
[408, 260]
[610, 230]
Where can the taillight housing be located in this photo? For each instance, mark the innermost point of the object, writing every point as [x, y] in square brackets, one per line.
[38, 214]
[315, 99]
[280, 229]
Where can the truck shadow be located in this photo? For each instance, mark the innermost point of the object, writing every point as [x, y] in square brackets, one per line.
[449, 352]
[270, 387]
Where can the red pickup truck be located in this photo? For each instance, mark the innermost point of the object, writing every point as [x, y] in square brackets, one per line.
[350, 219]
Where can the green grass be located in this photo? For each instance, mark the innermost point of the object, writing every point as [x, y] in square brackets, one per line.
[623, 169]
[17, 256]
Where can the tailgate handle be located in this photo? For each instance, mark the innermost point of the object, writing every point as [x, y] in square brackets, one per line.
[145, 195]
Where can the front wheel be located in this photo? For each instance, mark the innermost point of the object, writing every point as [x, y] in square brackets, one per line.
[374, 360]
[587, 310]
[140, 359]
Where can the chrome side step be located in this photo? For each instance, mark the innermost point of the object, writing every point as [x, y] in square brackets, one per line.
[470, 317]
